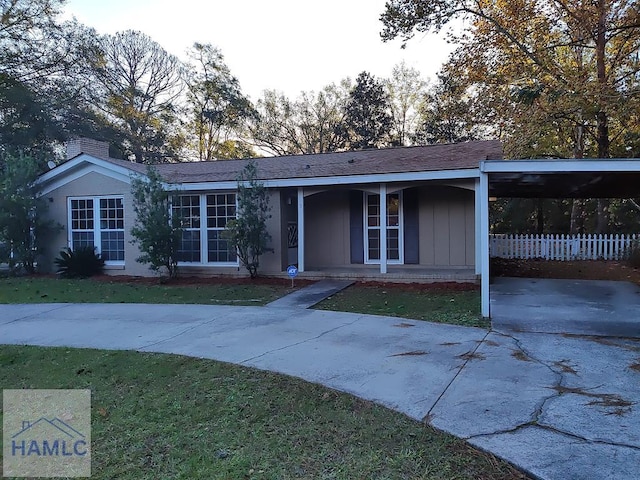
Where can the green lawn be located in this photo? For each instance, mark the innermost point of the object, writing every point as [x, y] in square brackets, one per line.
[50, 290]
[165, 416]
[422, 302]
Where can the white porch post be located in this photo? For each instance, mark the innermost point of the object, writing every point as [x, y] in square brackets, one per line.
[484, 242]
[300, 229]
[478, 234]
[383, 228]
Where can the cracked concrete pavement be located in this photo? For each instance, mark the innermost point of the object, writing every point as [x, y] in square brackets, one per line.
[557, 406]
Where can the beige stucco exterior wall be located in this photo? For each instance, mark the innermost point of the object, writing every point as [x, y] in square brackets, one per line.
[92, 184]
[446, 226]
[327, 229]
[95, 184]
[271, 262]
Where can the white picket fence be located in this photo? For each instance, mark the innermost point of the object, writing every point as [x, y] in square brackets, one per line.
[562, 247]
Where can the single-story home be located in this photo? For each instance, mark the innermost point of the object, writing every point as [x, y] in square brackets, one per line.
[330, 213]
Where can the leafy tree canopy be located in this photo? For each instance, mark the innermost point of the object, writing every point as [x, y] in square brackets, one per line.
[446, 114]
[312, 123]
[406, 90]
[217, 108]
[140, 84]
[23, 225]
[43, 94]
[558, 77]
[368, 122]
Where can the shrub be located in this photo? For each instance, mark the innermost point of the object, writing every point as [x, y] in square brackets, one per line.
[248, 233]
[81, 263]
[157, 232]
[23, 224]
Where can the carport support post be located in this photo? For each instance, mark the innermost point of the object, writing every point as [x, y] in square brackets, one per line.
[484, 244]
[300, 229]
[383, 228]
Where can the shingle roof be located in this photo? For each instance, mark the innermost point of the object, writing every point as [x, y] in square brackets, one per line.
[456, 156]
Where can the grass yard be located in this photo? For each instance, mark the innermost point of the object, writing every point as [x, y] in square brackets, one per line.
[37, 289]
[446, 303]
[457, 304]
[164, 416]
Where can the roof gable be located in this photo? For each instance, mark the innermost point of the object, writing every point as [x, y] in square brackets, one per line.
[82, 165]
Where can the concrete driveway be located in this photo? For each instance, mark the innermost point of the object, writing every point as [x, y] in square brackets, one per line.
[583, 307]
[558, 406]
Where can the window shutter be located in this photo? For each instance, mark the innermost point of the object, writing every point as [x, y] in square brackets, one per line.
[411, 226]
[356, 226]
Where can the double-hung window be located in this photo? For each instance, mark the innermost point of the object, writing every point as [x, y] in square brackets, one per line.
[221, 208]
[204, 217]
[187, 207]
[98, 222]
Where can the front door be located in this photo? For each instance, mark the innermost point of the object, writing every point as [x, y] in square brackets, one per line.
[373, 222]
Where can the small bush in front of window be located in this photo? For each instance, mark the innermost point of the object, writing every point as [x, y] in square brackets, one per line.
[82, 262]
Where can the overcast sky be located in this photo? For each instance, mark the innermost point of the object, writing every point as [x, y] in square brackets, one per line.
[288, 45]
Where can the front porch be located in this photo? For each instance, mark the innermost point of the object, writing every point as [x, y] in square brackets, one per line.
[395, 274]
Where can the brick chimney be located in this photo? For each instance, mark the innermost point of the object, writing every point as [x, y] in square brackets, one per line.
[95, 148]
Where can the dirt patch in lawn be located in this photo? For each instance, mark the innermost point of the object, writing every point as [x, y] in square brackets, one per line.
[581, 270]
[186, 280]
[422, 287]
[190, 281]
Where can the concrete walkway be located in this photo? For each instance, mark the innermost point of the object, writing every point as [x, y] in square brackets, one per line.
[307, 297]
[558, 406]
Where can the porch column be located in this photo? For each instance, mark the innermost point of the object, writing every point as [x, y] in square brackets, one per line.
[484, 244]
[478, 245]
[383, 228]
[300, 229]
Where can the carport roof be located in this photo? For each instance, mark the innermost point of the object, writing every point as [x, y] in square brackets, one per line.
[562, 178]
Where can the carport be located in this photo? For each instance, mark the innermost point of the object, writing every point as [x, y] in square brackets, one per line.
[548, 178]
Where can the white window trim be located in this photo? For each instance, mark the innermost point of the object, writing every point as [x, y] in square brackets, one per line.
[97, 231]
[400, 227]
[204, 245]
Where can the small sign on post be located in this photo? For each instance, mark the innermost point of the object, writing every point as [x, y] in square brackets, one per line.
[292, 271]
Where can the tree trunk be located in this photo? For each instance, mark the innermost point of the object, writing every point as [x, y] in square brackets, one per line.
[602, 225]
[540, 216]
[602, 132]
[577, 208]
[577, 217]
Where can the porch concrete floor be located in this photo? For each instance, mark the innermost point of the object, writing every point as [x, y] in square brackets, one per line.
[395, 274]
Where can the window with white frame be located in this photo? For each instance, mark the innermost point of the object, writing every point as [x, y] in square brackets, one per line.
[202, 240]
[221, 208]
[187, 208]
[373, 226]
[98, 222]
